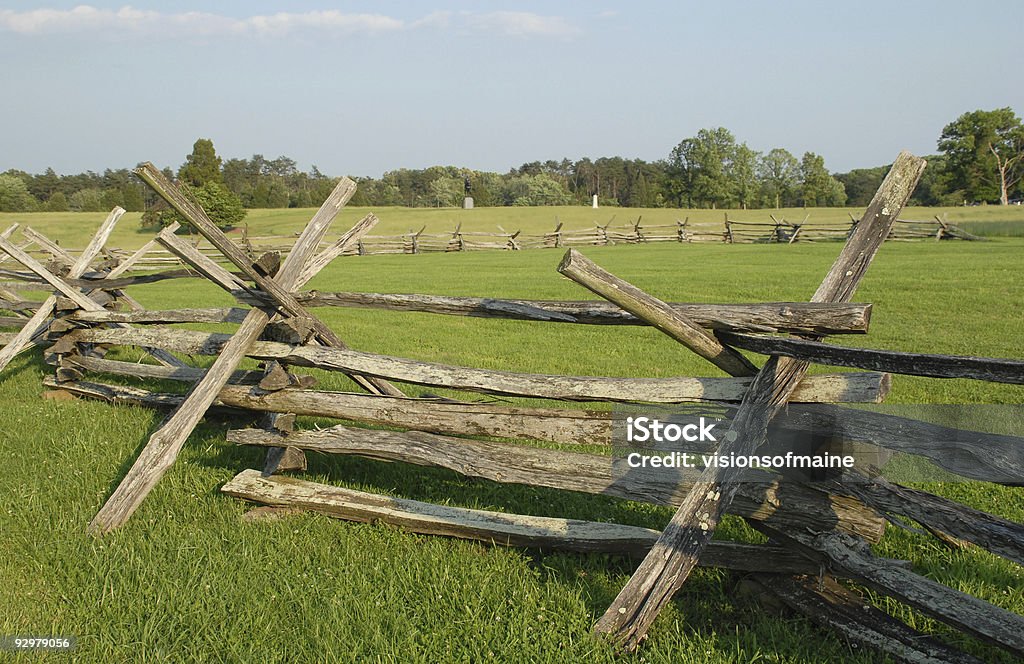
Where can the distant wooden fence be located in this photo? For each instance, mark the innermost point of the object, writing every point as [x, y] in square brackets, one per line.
[730, 231]
[818, 532]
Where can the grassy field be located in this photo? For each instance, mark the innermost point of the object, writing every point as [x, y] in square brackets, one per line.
[187, 580]
[73, 229]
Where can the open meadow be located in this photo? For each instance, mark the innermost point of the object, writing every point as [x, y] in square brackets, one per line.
[187, 580]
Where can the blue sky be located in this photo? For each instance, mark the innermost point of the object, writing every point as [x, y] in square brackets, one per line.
[360, 88]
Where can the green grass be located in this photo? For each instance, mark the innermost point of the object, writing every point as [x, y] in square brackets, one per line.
[186, 580]
[74, 229]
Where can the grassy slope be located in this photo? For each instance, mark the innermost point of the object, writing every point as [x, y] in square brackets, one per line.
[185, 580]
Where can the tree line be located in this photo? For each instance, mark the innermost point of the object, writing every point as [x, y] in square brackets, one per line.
[980, 160]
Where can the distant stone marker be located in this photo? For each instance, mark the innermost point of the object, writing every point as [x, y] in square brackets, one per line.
[595, 201]
[467, 203]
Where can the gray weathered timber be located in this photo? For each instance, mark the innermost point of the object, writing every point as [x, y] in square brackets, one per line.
[340, 246]
[162, 316]
[278, 288]
[976, 455]
[56, 282]
[574, 427]
[493, 527]
[973, 454]
[200, 263]
[823, 388]
[834, 607]
[783, 504]
[667, 566]
[797, 317]
[139, 370]
[996, 370]
[44, 313]
[654, 312]
[48, 245]
[849, 556]
[163, 447]
[131, 261]
[104, 281]
[994, 534]
[97, 280]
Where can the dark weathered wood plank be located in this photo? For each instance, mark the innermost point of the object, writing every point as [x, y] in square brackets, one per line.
[654, 312]
[670, 562]
[996, 370]
[976, 455]
[849, 556]
[994, 534]
[499, 528]
[834, 607]
[823, 388]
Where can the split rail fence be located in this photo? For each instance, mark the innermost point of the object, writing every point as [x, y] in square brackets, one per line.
[730, 231]
[819, 532]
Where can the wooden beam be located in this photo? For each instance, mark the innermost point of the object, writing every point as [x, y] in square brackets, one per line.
[324, 258]
[567, 426]
[161, 316]
[834, 607]
[278, 288]
[163, 447]
[849, 556]
[498, 528]
[199, 262]
[668, 565]
[798, 317]
[44, 313]
[784, 504]
[996, 370]
[654, 312]
[822, 388]
[994, 534]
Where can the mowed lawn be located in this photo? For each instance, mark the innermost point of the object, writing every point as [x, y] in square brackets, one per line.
[187, 580]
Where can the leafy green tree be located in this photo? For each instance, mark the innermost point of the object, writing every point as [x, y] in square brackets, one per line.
[14, 195]
[540, 189]
[447, 191]
[742, 173]
[818, 188]
[88, 200]
[862, 183]
[985, 153]
[779, 173]
[202, 166]
[43, 186]
[222, 206]
[58, 202]
[700, 167]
